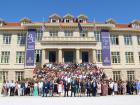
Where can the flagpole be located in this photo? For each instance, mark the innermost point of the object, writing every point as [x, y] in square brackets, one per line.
[94, 24]
[43, 25]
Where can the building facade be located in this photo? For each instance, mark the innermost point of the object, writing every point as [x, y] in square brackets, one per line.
[62, 41]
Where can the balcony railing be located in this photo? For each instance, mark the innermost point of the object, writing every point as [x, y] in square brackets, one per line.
[68, 39]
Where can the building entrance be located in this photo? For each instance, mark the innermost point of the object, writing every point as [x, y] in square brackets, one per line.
[68, 56]
[52, 56]
[85, 57]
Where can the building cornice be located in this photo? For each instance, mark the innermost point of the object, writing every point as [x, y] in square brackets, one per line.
[12, 28]
[125, 29]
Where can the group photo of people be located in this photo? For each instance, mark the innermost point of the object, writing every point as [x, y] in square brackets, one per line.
[69, 80]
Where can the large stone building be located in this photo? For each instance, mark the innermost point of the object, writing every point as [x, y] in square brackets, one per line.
[63, 40]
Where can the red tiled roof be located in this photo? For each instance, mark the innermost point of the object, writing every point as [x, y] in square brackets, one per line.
[12, 24]
[122, 26]
[16, 24]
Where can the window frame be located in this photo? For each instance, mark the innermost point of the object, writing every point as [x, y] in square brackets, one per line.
[128, 40]
[5, 57]
[129, 56]
[115, 57]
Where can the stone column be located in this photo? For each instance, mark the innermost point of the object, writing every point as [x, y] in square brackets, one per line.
[59, 55]
[77, 55]
[43, 57]
[93, 53]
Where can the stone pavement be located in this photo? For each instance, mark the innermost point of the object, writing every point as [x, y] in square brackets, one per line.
[103, 100]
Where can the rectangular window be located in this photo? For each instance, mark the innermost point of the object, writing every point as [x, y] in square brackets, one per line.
[54, 21]
[5, 56]
[38, 56]
[19, 75]
[98, 56]
[6, 38]
[129, 57]
[97, 35]
[130, 75]
[116, 75]
[3, 76]
[68, 33]
[67, 20]
[81, 20]
[127, 39]
[83, 33]
[21, 38]
[114, 40]
[115, 57]
[53, 33]
[20, 56]
[39, 35]
[138, 39]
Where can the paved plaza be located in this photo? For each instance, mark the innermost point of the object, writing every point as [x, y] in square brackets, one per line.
[104, 100]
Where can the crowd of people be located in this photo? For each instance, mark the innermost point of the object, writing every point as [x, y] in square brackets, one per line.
[66, 80]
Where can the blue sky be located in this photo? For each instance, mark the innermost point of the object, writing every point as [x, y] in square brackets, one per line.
[123, 11]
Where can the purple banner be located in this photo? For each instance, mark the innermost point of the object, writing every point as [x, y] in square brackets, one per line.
[30, 47]
[105, 48]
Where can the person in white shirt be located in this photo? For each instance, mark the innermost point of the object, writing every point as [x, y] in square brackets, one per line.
[8, 88]
[19, 88]
[111, 86]
[40, 85]
[12, 88]
[115, 87]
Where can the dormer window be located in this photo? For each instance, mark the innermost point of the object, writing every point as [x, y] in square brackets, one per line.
[135, 24]
[82, 18]
[55, 18]
[111, 21]
[2, 22]
[25, 21]
[54, 21]
[68, 18]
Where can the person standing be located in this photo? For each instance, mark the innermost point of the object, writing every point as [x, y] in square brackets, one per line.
[73, 87]
[83, 87]
[4, 91]
[51, 88]
[45, 88]
[88, 87]
[115, 88]
[104, 88]
[60, 88]
[19, 91]
[138, 87]
[94, 88]
[35, 92]
[31, 88]
[12, 88]
[99, 88]
[124, 87]
[111, 86]
[7, 88]
[66, 88]
[55, 89]
[22, 88]
[40, 85]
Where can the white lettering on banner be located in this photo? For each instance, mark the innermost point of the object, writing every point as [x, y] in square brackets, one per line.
[106, 60]
[30, 38]
[30, 46]
[106, 47]
[29, 60]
